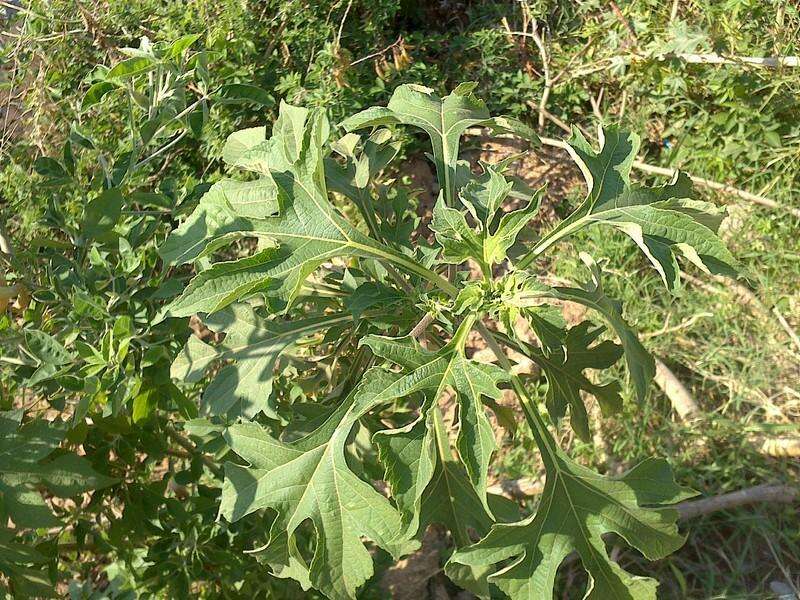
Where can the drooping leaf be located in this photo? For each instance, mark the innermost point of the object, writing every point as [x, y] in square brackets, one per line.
[565, 378]
[182, 44]
[130, 67]
[663, 221]
[434, 373]
[577, 508]
[245, 92]
[310, 479]
[96, 93]
[253, 344]
[641, 365]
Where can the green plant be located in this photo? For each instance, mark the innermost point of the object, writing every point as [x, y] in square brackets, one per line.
[323, 299]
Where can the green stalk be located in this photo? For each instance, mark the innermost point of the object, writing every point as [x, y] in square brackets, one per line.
[537, 424]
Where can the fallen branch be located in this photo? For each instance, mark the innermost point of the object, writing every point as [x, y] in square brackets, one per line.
[770, 494]
[758, 61]
[678, 395]
[517, 489]
[778, 447]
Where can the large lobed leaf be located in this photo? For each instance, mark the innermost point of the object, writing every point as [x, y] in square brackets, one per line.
[310, 479]
[436, 372]
[577, 508]
[287, 207]
[663, 221]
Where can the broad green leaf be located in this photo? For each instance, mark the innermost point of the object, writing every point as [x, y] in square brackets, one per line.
[663, 221]
[577, 508]
[253, 345]
[49, 167]
[24, 467]
[444, 119]
[182, 44]
[240, 142]
[45, 348]
[310, 479]
[52, 359]
[607, 173]
[641, 365]
[307, 228]
[565, 379]
[449, 368]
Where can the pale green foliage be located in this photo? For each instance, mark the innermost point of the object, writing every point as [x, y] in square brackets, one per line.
[307, 468]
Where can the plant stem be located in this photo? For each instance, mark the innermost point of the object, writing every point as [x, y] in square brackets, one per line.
[187, 445]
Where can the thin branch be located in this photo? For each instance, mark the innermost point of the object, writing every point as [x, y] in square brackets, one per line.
[187, 445]
[161, 150]
[786, 327]
[6, 247]
[621, 17]
[548, 82]
[394, 44]
[722, 187]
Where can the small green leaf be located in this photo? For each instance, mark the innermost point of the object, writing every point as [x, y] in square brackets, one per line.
[49, 167]
[245, 92]
[130, 67]
[102, 214]
[96, 93]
